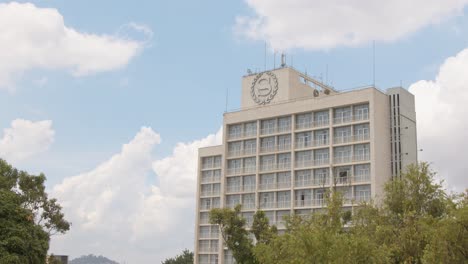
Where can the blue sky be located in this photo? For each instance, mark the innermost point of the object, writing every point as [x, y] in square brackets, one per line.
[176, 82]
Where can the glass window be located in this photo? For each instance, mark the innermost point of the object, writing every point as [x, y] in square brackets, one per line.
[233, 184]
[249, 183]
[207, 163]
[207, 176]
[234, 148]
[267, 144]
[321, 137]
[248, 201]
[304, 140]
[283, 199]
[251, 129]
[267, 162]
[284, 161]
[321, 118]
[361, 152]
[343, 175]
[303, 121]
[284, 179]
[232, 200]
[284, 124]
[302, 178]
[321, 156]
[342, 134]
[250, 146]
[321, 177]
[268, 126]
[342, 154]
[267, 181]
[235, 131]
[267, 200]
[361, 112]
[342, 115]
[284, 142]
[361, 132]
[362, 173]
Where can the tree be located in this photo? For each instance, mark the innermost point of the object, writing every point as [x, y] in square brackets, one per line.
[233, 230]
[28, 216]
[185, 258]
[261, 228]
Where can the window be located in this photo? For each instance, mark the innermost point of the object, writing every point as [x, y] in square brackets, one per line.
[232, 200]
[361, 112]
[303, 140]
[361, 132]
[319, 196]
[342, 154]
[250, 146]
[362, 193]
[267, 200]
[321, 156]
[303, 198]
[233, 184]
[343, 175]
[284, 161]
[250, 164]
[267, 144]
[321, 118]
[342, 115]
[216, 175]
[207, 176]
[217, 162]
[249, 183]
[234, 148]
[207, 163]
[304, 159]
[321, 177]
[267, 181]
[283, 199]
[342, 135]
[235, 131]
[284, 124]
[267, 162]
[321, 137]
[284, 179]
[251, 129]
[248, 201]
[284, 142]
[268, 126]
[362, 173]
[361, 152]
[304, 121]
[234, 166]
[302, 178]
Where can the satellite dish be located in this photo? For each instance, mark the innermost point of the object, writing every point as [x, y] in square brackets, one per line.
[327, 92]
[316, 93]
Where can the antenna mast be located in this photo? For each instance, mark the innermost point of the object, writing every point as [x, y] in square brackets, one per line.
[373, 63]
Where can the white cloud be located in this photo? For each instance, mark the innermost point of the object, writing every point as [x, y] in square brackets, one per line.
[117, 213]
[442, 119]
[327, 24]
[25, 139]
[37, 38]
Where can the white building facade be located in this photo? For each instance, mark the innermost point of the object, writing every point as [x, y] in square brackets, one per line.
[293, 139]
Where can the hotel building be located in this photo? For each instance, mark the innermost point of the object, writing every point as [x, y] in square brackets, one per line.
[293, 138]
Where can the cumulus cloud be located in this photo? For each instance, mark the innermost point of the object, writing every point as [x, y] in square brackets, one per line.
[116, 212]
[328, 24]
[37, 38]
[442, 119]
[25, 139]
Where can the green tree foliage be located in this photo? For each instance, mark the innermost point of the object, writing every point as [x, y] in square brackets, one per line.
[416, 221]
[185, 258]
[27, 216]
[233, 230]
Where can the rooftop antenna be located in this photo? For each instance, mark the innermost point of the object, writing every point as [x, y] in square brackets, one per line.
[265, 57]
[326, 75]
[227, 95]
[283, 60]
[274, 59]
[373, 63]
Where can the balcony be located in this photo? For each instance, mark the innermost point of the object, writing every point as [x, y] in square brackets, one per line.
[242, 152]
[248, 206]
[312, 124]
[238, 171]
[274, 130]
[309, 163]
[275, 148]
[274, 185]
[273, 167]
[312, 182]
[209, 193]
[240, 134]
[275, 205]
[309, 203]
[349, 139]
[350, 118]
[362, 177]
[233, 188]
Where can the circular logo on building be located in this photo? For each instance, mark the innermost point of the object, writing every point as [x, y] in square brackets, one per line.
[264, 87]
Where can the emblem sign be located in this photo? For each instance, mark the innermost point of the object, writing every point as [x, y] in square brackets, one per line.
[264, 87]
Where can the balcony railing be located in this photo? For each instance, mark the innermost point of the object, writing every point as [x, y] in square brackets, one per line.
[242, 152]
[312, 182]
[275, 148]
[278, 166]
[209, 193]
[350, 118]
[249, 188]
[363, 197]
[273, 204]
[274, 185]
[310, 163]
[237, 171]
[247, 206]
[349, 158]
[210, 179]
[348, 139]
[362, 177]
[309, 203]
[242, 134]
[312, 124]
[233, 188]
[273, 130]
